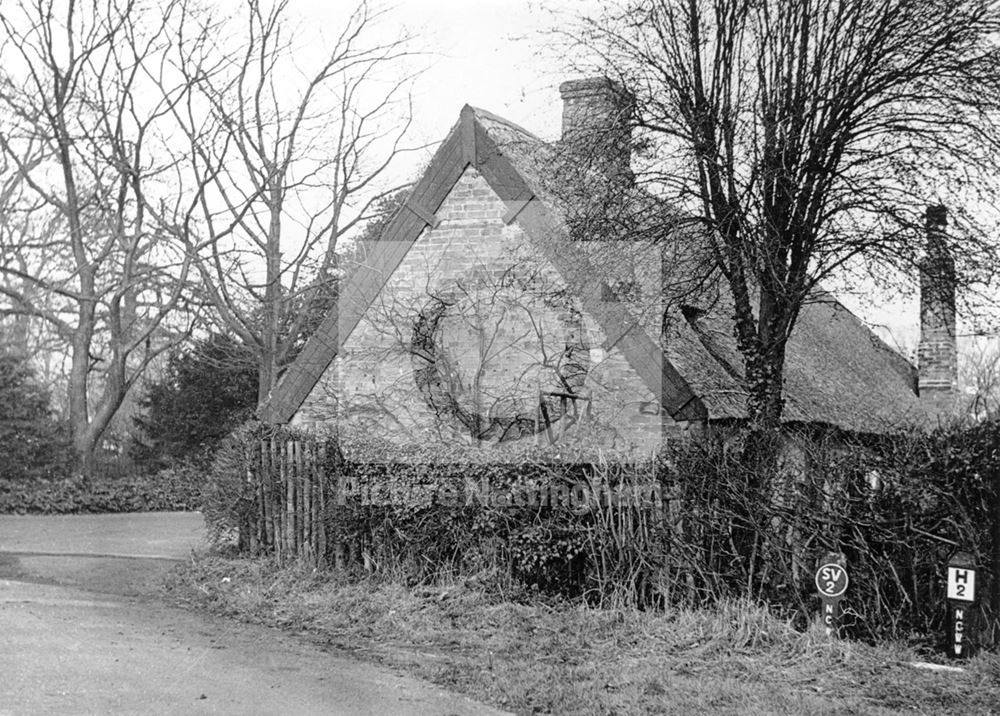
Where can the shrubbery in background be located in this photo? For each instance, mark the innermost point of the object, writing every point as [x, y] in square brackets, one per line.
[719, 529]
[208, 388]
[171, 489]
[200, 399]
[33, 443]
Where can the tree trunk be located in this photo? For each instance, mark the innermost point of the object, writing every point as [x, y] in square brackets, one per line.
[79, 405]
[89, 428]
[762, 340]
[271, 329]
[268, 376]
[766, 403]
[84, 452]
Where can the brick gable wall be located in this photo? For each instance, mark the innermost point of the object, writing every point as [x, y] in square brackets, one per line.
[474, 322]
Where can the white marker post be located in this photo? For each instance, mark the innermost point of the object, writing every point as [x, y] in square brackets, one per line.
[961, 594]
[831, 582]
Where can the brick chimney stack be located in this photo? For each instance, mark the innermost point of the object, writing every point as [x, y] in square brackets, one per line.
[596, 125]
[937, 354]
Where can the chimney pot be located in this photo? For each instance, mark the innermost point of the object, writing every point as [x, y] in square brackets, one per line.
[936, 217]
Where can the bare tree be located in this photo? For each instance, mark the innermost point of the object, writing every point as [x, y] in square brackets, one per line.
[285, 162]
[80, 134]
[979, 376]
[805, 137]
[23, 246]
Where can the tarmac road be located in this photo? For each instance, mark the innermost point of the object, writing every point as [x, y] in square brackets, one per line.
[82, 633]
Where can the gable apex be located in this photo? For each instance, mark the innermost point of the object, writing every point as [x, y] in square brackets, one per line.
[470, 143]
[467, 128]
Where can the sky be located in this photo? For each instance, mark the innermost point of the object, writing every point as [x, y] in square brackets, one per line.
[487, 53]
[498, 55]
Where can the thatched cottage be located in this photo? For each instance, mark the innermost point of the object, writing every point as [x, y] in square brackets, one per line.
[521, 296]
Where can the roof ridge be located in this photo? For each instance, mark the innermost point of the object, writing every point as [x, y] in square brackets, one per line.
[486, 114]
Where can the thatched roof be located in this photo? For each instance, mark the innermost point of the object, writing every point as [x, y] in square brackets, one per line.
[838, 372]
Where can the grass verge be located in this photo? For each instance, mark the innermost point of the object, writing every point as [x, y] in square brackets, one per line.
[540, 657]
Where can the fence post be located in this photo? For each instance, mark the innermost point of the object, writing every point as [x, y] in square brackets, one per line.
[262, 483]
[278, 490]
[300, 517]
[265, 496]
[293, 446]
[251, 523]
[313, 499]
[303, 487]
[277, 500]
[289, 487]
[994, 631]
[321, 479]
[300, 485]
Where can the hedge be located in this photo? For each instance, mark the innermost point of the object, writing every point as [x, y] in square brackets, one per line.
[710, 525]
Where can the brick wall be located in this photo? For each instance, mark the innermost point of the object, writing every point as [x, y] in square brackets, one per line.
[505, 332]
[937, 352]
[596, 125]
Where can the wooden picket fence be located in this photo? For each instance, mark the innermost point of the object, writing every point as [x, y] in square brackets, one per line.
[292, 491]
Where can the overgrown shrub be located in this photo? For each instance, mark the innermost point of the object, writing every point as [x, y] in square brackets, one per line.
[431, 513]
[699, 526]
[228, 490]
[897, 508]
[525, 523]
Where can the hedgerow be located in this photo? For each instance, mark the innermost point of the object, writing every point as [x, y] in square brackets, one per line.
[178, 488]
[897, 508]
[699, 525]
